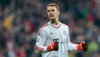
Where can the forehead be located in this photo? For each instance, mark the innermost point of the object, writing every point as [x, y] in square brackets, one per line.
[51, 7]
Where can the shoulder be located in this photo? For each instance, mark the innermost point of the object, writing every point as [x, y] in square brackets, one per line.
[65, 25]
[43, 28]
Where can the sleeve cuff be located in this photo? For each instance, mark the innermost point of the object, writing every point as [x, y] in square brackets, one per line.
[45, 49]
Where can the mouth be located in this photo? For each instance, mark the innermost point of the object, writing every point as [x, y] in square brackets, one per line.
[51, 15]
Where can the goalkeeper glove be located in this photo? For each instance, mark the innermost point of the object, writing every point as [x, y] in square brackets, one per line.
[82, 46]
[53, 46]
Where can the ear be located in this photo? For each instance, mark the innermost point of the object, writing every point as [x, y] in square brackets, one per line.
[58, 11]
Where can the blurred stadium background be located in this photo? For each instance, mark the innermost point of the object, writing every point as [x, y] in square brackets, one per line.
[20, 21]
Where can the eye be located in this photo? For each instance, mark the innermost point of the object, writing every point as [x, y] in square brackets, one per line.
[53, 10]
[48, 10]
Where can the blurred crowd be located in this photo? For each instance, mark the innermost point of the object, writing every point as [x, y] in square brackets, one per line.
[20, 21]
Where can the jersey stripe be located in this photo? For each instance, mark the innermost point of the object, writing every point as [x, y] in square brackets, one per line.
[67, 25]
[64, 24]
[55, 26]
[42, 28]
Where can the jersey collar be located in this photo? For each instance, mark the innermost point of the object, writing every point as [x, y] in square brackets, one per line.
[55, 26]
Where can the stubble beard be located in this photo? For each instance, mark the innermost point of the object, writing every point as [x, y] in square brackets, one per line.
[53, 21]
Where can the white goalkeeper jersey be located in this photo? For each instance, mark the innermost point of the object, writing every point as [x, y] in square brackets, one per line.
[50, 32]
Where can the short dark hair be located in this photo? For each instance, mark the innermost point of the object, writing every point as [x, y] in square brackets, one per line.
[53, 4]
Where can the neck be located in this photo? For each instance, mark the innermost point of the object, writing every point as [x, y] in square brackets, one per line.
[55, 22]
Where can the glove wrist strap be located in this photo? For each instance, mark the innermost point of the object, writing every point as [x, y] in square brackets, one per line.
[78, 47]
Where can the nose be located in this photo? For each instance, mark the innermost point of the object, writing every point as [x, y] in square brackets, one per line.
[50, 12]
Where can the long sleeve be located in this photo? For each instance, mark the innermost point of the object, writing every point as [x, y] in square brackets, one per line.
[41, 38]
[70, 45]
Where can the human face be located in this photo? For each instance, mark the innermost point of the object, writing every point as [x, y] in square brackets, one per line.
[53, 13]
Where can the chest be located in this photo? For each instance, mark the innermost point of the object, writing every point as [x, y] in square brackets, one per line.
[59, 34]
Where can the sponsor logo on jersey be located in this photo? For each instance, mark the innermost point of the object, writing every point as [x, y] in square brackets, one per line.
[56, 40]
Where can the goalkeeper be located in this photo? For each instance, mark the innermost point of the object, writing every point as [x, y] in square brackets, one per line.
[53, 38]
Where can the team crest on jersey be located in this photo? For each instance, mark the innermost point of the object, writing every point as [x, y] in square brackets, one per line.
[64, 32]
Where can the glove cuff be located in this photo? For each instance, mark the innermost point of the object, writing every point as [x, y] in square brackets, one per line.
[49, 48]
[78, 47]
